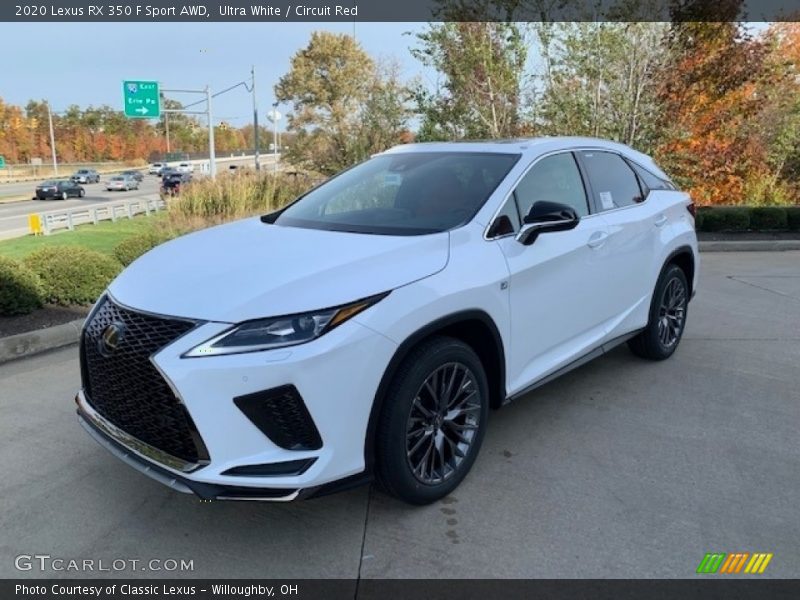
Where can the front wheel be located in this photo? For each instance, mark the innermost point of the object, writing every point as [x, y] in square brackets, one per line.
[667, 317]
[433, 421]
[64, 195]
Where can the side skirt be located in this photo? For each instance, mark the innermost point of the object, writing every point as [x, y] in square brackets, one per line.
[591, 355]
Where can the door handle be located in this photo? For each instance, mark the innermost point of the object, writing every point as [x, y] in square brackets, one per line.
[597, 239]
[661, 220]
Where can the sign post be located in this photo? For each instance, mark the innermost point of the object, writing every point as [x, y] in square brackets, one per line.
[141, 99]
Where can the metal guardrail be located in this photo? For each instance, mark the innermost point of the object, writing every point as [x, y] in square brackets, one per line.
[51, 221]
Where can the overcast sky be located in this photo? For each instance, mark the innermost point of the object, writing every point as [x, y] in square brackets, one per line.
[85, 63]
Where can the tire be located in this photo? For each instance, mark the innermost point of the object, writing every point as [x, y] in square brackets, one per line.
[64, 195]
[81, 193]
[422, 454]
[667, 322]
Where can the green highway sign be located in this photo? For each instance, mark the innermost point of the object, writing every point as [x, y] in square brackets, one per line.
[142, 100]
[2, 162]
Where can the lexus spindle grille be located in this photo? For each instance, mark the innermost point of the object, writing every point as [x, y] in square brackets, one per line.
[123, 385]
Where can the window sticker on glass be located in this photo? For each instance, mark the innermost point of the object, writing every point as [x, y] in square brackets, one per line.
[606, 200]
[392, 179]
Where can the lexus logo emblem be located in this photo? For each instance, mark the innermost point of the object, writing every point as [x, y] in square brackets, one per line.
[111, 339]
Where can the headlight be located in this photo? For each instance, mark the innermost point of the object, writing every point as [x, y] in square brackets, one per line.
[278, 332]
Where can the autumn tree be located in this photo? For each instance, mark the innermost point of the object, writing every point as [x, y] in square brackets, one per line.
[777, 123]
[707, 100]
[482, 70]
[343, 106]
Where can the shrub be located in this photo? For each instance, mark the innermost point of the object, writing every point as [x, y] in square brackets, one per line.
[20, 288]
[793, 218]
[131, 248]
[726, 218]
[765, 218]
[72, 275]
[698, 220]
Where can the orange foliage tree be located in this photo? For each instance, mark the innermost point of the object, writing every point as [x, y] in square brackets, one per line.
[708, 97]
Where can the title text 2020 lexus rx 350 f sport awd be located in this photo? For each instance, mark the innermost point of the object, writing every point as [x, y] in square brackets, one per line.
[366, 330]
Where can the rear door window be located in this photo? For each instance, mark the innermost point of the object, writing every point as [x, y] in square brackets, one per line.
[614, 183]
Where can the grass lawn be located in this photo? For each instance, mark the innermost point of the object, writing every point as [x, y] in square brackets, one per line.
[101, 237]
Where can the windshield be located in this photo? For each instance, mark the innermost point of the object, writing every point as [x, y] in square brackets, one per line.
[402, 194]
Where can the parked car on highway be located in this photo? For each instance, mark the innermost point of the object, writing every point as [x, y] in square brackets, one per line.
[122, 183]
[185, 167]
[172, 183]
[86, 176]
[137, 175]
[155, 168]
[59, 190]
[366, 329]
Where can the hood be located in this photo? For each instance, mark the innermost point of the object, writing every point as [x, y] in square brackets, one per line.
[250, 270]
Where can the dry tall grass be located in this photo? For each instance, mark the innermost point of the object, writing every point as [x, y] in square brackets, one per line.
[229, 197]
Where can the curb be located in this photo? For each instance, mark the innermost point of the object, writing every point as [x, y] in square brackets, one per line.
[749, 246]
[35, 342]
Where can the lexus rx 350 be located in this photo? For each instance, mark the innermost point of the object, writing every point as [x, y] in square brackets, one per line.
[366, 330]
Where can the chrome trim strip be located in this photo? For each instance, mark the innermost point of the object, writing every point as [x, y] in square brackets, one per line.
[591, 213]
[288, 498]
[135, 445]
[170, 482]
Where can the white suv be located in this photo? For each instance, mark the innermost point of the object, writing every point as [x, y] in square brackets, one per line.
[367, 329]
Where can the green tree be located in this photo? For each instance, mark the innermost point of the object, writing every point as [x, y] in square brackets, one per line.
[343, 107]
[482, 66]
[599, 79]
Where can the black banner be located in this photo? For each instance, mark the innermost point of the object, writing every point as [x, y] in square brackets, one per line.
[721, 588]
[277, 11]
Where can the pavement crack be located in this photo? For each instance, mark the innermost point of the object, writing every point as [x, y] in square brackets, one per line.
[761, 287]
[363, 542]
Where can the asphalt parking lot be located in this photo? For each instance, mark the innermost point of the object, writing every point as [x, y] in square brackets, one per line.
[621, 469]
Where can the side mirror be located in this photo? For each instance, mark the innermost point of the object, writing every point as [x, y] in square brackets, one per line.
[546, 217]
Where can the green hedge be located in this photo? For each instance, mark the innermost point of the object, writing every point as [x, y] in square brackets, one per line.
[72, 275]
[725, 218]
[20, 288]
[131, 248]
[748, 218]
[768, 218]
[793, 218]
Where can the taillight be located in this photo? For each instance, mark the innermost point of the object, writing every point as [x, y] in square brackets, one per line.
[692, 209]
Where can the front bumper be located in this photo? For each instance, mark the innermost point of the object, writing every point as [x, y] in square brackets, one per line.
[337, 386]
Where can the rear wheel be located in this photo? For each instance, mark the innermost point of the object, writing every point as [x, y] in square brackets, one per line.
[667, 317]
[81, 193]
[433, 421]
[64, 195]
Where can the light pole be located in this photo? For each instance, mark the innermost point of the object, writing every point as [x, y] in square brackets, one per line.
[274, 116]
[255, 114]
[52, 139]
[212, 167]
